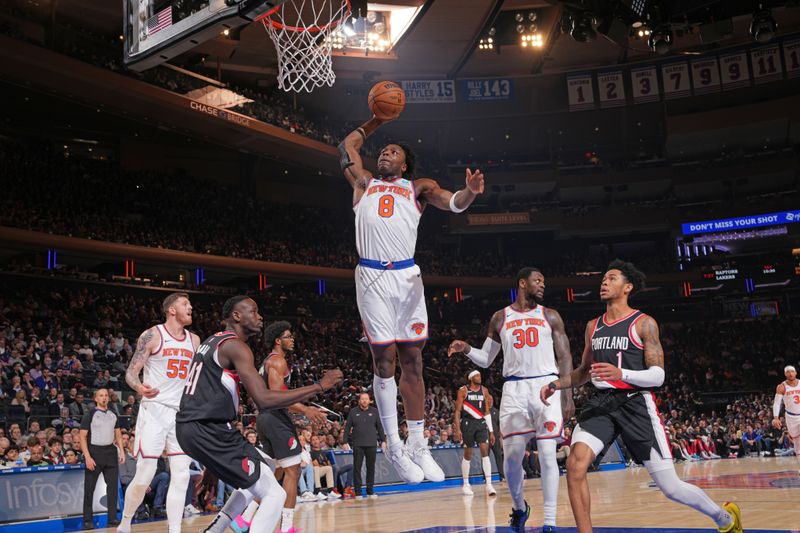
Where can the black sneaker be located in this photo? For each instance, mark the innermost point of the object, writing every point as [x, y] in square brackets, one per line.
[88, 525]
[518, 519]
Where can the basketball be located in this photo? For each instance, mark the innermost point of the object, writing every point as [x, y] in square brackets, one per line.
[386, 100]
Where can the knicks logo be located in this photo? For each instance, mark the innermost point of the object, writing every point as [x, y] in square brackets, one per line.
[418, 327]
[550, 426]
[248, 466]
[292, 443]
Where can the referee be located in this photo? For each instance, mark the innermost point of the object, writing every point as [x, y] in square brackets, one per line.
[99, 431]
[362, 431]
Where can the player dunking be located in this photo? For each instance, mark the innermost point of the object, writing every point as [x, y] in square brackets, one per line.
[625, 362]
[276, 430]
[788, 394]
[164, 352]
[210, 405]
[473, 424]
[389, 291]
[532, 337]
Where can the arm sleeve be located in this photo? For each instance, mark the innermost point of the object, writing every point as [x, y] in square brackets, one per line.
[652, 377]
[776, 405]
[488, 419]
[484, 356]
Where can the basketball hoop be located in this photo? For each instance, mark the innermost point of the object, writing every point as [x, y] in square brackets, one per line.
[300, 30]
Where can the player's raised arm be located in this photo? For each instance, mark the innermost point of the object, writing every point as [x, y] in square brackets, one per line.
[238, 353]
[148, 342]
[577, 377]
[484, 356]
[457, 202]
[350, 158]
[563, 356]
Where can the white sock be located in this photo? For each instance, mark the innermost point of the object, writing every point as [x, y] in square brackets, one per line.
[250, 511]
[416, 433]
[385, 391]
[549, 467]
[272, 497]
[287, 519]
[663, 473]
[134, 494]
[176, 494]
[487, 469]
[465, 464]
[513, 452]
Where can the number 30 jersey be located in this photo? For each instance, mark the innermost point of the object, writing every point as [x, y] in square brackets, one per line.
[387, 218]
[527, 341]
[167, 367]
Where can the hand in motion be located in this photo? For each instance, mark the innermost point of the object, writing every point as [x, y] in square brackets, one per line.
[457, 347]
[332, 378]
[475, 181]
[545, 392]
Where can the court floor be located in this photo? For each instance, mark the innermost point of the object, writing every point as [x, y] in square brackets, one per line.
[766, 489]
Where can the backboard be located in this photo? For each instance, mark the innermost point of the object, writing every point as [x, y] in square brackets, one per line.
[155, 31]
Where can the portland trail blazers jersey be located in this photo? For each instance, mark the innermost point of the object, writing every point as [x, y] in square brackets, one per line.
[527, 340]
[618, 343]
[211, 392]
[166, 368]
[387, 217]
[474, 404]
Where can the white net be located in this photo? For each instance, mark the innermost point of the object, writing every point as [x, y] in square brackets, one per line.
[300, 30]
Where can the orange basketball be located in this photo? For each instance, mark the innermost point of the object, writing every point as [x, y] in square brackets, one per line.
[386, 100]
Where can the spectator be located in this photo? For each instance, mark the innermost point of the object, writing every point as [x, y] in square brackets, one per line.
[306, 481]
[322, 467]
[79, 407]
[55, 455]
[37, 456]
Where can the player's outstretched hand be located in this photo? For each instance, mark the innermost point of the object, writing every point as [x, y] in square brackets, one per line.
[315, 415]
[147, 391]
[545, 392]
[475, 181]
[457, 347]
[332, 378]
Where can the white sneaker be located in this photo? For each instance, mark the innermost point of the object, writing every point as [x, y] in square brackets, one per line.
[490, 490]
[190, 510]
[372, 496]
[406, 468]
[320, 497]
[308, 497]
[422, 457]
[467, 490]
[333, 495]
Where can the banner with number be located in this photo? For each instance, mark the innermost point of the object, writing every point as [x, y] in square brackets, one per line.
[705, 75]
[489, 89]
[791, 55]
[676, 80]
[429, 91]
[581, 92]
[734, 70]
[766, 63]
[644, 85]
[612, 89]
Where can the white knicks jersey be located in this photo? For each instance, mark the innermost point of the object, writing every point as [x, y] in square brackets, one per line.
[527, 341]
[791, 398]
[166, 368]
[387, 217]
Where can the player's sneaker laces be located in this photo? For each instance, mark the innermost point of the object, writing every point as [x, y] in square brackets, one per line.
[490, 490]
[736, 514]
[467, 490]
[422, 457]
[518, 519]
[405, 467]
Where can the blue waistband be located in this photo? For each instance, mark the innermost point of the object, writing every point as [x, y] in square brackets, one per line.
[793, 414]
[520, 378]
[387, 265]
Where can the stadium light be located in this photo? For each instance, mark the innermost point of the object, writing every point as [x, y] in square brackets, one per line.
[661, 39]
[582, 27]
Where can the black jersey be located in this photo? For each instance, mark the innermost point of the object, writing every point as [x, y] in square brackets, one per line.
[618, 343]
[263, 371]
[474, 404]
[211, 392]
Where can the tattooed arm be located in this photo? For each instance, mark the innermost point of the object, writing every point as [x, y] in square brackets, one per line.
[148, 342]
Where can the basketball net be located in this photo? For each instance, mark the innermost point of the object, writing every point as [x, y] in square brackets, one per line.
[300, 30]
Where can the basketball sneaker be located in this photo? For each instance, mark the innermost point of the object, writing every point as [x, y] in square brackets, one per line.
[422, 457]
[405, 467]
[736, 514]
[466, 490]
[518, 519]
[240, 525]
[548, 529]
[490, 490]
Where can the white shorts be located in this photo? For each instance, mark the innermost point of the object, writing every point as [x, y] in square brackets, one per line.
[155, 431]
[392, 305]
[793, 425]
[523, 413]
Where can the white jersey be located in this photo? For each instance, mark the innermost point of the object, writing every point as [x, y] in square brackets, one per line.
[527, 341]
[166, 368]
[387, 217]
[791, 398]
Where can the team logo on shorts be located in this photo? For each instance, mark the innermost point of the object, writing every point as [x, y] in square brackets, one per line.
[292, 443]
[248, 466]
[550, 426]
[418, 327]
